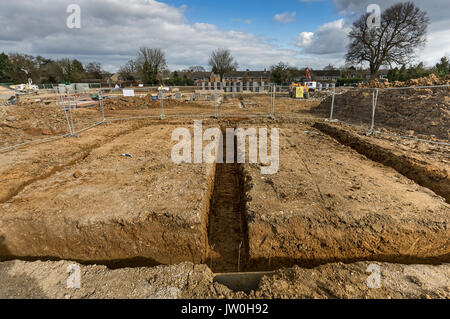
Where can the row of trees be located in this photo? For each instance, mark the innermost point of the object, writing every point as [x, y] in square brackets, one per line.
[405, 73]
[150, 67]
[390, 43]
[18, 68]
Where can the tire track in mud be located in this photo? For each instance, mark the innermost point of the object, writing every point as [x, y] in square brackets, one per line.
[74, 158]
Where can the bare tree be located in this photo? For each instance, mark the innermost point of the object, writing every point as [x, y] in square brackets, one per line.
[151, 63]
[222, 62]
[128, 71]
[403, 29]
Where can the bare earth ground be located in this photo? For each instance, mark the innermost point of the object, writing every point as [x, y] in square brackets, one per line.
[49, 280]
[328, 203]
[144, 206]
[339, 196]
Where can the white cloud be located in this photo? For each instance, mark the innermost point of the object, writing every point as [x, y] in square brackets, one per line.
[113, 30]
[285, 17]
[305, 39]
[439, 31]
[328, 39]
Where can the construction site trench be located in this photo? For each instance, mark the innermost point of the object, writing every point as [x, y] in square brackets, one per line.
[337, 197]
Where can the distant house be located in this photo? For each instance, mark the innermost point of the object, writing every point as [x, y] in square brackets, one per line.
[325, 75]
[248, 76]
[319, 76]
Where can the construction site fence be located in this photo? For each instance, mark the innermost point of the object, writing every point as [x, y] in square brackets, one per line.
[79, 118]
[412, 113]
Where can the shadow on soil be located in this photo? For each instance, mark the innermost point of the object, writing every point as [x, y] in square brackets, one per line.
[266, 264]
[18, 285]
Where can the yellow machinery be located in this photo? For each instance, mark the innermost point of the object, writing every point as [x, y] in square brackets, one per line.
[299, 91]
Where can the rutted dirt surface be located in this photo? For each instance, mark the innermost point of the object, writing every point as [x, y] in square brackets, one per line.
[410, 112]
[328, 203]
[20, 279]
[426, 164]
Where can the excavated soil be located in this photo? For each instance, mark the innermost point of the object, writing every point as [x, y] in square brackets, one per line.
[426, 164]
[20, 279]
[105, 207]
[408, 111]
[339, 196]
[328, 203]
[430, 80]
[34, 120]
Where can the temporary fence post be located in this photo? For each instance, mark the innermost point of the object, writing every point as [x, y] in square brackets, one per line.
[100, 98]
[71, 115]
[216, 110]
[332, 105]
[162, 116]
[63, 105]
[374, 106]
[272, 101]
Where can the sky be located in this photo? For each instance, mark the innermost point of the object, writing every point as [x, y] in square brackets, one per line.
[259, 33]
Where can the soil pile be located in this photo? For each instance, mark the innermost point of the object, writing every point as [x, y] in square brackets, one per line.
[412, 111]
[430, 80]
[33, 120]
[27, 120]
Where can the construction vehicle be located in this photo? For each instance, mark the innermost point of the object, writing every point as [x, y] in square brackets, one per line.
[312, 86]
[301, 90]
[298, 91]
[27, 88]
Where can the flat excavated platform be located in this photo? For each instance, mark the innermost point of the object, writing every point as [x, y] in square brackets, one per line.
[106, 207]
[328, 203]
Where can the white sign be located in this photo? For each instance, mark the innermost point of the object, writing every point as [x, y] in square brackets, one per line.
[128, 92]
[311, 85]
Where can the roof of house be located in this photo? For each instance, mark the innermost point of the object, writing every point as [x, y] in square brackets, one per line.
[250, 74]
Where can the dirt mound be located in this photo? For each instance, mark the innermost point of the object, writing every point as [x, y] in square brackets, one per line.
[430, 80]
[27, 120]
[412, 111]
[32, 120]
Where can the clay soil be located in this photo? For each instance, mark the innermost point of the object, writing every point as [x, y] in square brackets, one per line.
[142, 206]
[329, 203]
[49, 280]
[340, 201]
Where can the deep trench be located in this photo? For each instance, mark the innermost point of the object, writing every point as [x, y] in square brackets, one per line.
[227, 230]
